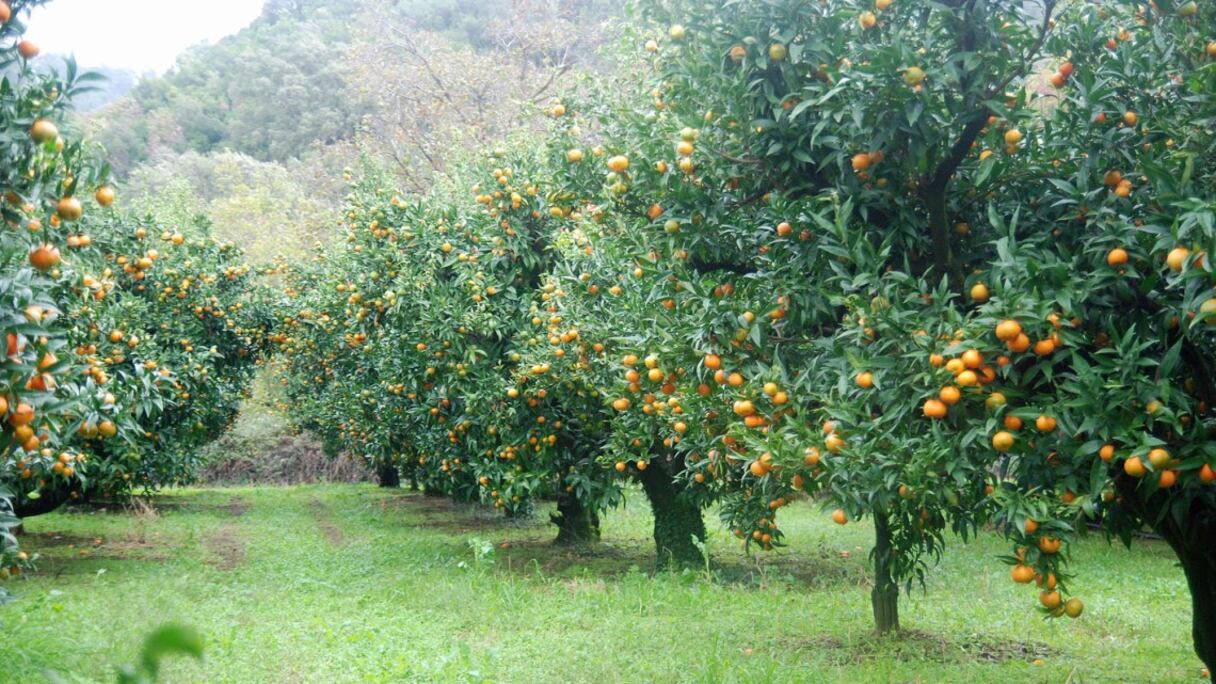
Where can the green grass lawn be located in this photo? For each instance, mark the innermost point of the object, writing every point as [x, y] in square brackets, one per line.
[351, 583]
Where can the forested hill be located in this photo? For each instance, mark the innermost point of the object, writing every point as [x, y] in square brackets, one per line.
[313, 85]
[313, 72]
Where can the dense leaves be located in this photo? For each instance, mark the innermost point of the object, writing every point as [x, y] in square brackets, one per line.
[943, 265]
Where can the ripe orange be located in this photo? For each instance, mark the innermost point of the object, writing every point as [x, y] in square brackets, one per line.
[861, 161]
[1049, 545]
[6, 12]
[105, 196]
[949, 395]
[1159, 458]
[1013, 136]
[867, 20]
[45, 257]
[43, 131]
[1002, 441]
[935, 409]
[28, 49]
[1207, 474]
[1022, 574]
[1176, 259]
[713, 361]
[1012, 423]
[1030, 526]
[22, 415]
[1019, 344]
[1008, 330]
[1107, 452]
[1116, 257]
[1167, 479]
[1045, 423]
[619, 163]
[1135, 467]
[839, 517]
[979, 293]
[865, 379]
[69, 209]
[1050, 599]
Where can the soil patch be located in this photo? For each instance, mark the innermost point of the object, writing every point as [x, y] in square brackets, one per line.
[915, 645]
[225, 548]
[324, 519]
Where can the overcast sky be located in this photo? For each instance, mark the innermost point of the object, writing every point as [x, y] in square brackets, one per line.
[140, 35]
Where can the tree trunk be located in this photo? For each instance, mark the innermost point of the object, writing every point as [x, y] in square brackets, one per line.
[389, 476]
[885, 596]
[677, 521]
[576, 524]
[48, 502]
[428, 490]
[1195, 546]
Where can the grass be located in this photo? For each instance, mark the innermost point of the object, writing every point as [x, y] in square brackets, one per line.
[350, 583]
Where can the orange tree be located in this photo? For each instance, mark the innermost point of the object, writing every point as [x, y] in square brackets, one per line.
[399, 347]
[1016, 209]
[127, 345]
[946, 263]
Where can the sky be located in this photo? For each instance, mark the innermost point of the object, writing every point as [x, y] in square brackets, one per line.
[139, 35]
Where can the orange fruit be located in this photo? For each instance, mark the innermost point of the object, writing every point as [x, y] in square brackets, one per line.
[1207, 474]
[1008, 330]
[972, 359]
[839, 517]
[69, 209]
[949, 395]
[1116, 257]
[1045, 423]
[1176, 259]
[1049, 545]
[1107, 452]
[1135, 467]
[45, 257]
[1002, 441]
[934, 408]
[1074, 607]
[1022, 574]
[865, 380]
[1050, 599]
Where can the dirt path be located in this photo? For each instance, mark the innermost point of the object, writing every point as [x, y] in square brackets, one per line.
[325, 522]
[226, 547]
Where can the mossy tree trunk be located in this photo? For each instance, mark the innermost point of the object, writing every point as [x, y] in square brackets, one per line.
[1192, 536]
[576, 524]
[1195, 546]
[885, 596]
[389, 476]
[677, 521]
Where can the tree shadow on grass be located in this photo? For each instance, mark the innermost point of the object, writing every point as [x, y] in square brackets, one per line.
[911, 645]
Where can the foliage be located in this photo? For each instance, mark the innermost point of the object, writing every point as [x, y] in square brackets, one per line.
[167, 640]
[126, 350]
[832, 251]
